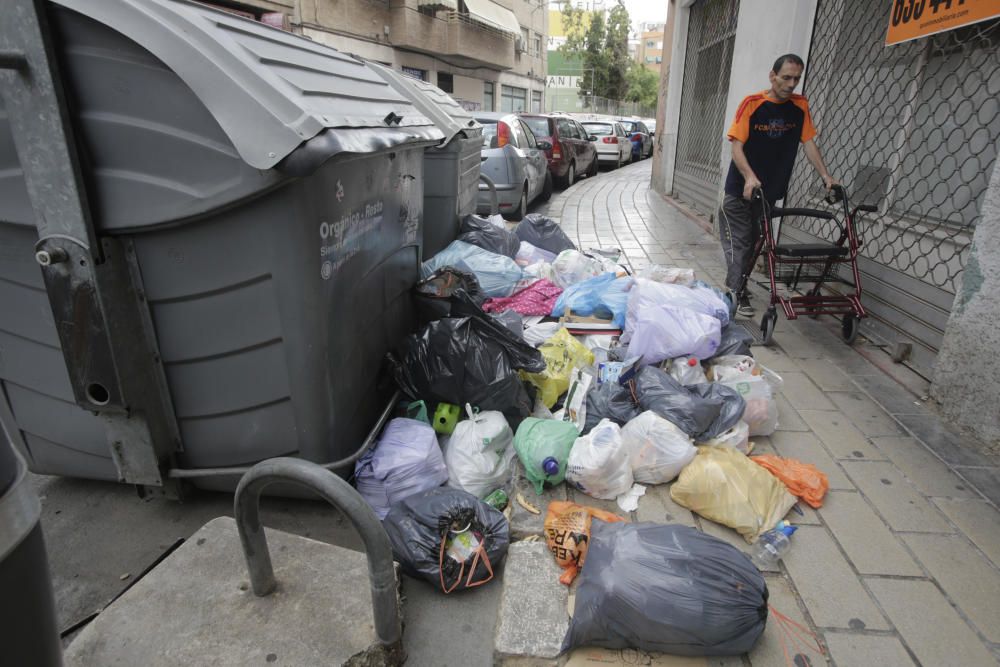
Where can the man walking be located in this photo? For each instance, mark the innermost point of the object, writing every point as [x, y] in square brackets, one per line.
[764, 137]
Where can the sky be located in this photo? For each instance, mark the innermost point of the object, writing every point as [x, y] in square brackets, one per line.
[650, 11]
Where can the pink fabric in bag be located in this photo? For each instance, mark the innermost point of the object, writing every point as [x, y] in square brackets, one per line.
[538, 298]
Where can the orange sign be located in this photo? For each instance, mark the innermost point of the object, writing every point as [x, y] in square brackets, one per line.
[911, 19]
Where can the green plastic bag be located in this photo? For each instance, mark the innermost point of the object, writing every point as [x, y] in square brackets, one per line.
[543, 446]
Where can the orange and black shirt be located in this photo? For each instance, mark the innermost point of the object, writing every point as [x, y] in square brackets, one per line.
[770, 132]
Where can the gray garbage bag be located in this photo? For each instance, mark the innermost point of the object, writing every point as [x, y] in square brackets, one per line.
[666, 588]
[483, 233]
[544, 233]
[703, 411]
[735, 340]
[610, 401]
[474, 537]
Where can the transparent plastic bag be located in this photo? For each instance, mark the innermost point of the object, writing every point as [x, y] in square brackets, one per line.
[528, 254]
[665, 274]
[598, 464]
[497, 274]
[657, 450]
[761, 413]
[572, 267]
[480, 452]
[646, 294]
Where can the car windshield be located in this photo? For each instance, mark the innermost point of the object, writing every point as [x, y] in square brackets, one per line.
[629, 126]
[599, 128]
[539, 126]
[489, 132]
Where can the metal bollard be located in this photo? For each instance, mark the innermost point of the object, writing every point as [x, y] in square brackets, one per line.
[340, 494]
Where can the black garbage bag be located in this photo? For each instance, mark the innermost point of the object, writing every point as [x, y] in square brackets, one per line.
[703, 411]
[471, 359]
[447, 537]
[669, 589]
[735, 340]
[483, 233]
[435, 296]
[610, 400]
[544, 233]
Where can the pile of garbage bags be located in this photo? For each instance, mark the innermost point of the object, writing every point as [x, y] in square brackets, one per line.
[531, 353]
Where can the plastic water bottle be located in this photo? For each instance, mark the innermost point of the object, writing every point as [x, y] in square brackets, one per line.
[772, 545]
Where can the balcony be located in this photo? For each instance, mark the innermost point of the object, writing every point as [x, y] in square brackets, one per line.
[455, 36]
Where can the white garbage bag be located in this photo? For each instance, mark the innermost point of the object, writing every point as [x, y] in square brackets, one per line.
[647, 293]
[657, 449]
[572, 267]
[480, 453]
[598, 464]
[738, 437]
[662, 332]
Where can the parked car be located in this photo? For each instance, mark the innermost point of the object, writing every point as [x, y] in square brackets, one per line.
[651, 124]
[515, 162]
[641, 137]
[611, 140]
[572, 152]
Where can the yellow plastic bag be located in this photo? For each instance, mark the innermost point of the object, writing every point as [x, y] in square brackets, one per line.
[562, 353]
[725, 486]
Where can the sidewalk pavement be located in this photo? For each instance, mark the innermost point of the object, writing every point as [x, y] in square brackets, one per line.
[900, 565]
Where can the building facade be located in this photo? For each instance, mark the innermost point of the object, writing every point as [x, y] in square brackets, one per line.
[912, 128]
[488, 54]
[649, 53]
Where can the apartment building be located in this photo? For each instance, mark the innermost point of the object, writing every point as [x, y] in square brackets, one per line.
[650, 49]
[488, 54]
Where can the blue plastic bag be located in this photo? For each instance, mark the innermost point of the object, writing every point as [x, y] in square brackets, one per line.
[497, 274]
[604, 296]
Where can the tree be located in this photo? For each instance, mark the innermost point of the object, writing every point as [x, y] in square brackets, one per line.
[616, 52]
[600, 47]
[643, 85]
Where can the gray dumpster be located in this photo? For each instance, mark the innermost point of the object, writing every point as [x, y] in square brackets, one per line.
[451, 169]
[228, 222]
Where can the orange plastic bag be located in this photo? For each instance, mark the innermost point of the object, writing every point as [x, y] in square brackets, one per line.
[802, 479]
[567, 531]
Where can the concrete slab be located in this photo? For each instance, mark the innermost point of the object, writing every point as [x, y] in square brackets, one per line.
[788, 418]
[840, 436]
[865, 538]
[802, 393]
[895, 498]
[979, 520]
[533, 618]
[928, 624]
[658, 506]
[850, 650]
[868, 417]
[926, 471]
[524, 523]
[806, 448]
[196, 608]
[967, 577]
[770, 648]
[827, 375]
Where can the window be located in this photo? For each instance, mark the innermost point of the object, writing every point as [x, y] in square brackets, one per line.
[446, 82]
[512, 98]
[659, 59]
[536, 101]
[650, 43]
[415, 73]
[516, 134]
[582, 131]
[538, 45]
[567, 129]
[488, 96]
[524, 39]
[659, 45]
[529, 138]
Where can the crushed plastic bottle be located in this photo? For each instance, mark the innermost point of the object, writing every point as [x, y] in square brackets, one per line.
[772, 545]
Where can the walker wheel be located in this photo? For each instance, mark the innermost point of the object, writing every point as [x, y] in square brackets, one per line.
[767, 325]
[849, 328]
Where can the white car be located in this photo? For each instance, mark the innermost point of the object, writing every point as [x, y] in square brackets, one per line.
[613, 144]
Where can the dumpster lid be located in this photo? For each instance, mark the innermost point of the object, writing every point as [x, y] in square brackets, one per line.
[448, 115]
[268, 89]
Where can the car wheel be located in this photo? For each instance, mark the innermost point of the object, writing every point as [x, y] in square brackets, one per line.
[592, 171]
[618, 164]
[522, 207]
[547, 188]
[570, 175]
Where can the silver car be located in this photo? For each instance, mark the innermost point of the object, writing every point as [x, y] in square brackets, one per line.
[515, 162]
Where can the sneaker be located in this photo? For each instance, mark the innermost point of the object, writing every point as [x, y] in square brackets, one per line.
[743, 308]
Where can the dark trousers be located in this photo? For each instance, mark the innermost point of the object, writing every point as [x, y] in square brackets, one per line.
[739, 229]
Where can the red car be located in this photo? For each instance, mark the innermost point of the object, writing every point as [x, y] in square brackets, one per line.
[572, 152]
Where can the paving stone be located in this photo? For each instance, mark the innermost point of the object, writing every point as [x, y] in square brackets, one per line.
[806, 448]
[867, 416]
[928, 624]
[926, 471]
[788, 418]
[522, 522]
[986, 480]
[775, 359]
[947, 444]
[762, 445]
[839, 435]
[659, 507]
[967, 577]
[803, 514]
[802, 393]
[594, 656]
[850, 650]
[828, 586]
[865, 538]
[979, 520]
[895, 498]
[769, 651]
[581, 498]
[826, 374]
[533, 618]
[797, 346]
[891, 395]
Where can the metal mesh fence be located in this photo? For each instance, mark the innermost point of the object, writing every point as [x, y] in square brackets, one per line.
[911, 128]
[570, 100]
[711, 33]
